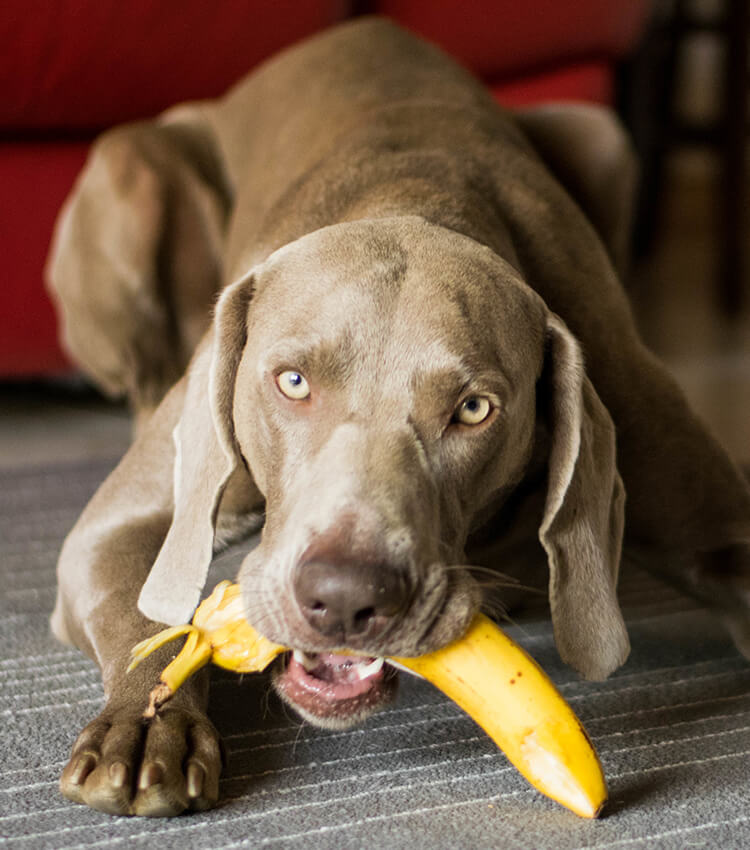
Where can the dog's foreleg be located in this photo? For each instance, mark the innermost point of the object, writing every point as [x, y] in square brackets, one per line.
[120, 763]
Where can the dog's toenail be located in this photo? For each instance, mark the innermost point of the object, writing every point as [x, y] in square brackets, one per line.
[118, 774]
[83, 766]
[151, 774]
[195, 777]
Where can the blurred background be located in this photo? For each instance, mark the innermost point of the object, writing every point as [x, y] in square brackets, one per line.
[676, 70]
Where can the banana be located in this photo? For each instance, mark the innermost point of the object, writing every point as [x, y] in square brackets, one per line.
[485, 673]
[219, 633]
[508, 694]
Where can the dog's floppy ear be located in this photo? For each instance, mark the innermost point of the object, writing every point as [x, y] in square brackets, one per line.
[206, 454]
[583, 520]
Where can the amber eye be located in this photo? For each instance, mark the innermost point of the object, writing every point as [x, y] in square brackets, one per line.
[473, 410]
[293, 385]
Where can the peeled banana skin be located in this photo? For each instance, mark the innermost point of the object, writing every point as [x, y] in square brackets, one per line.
[506, 692]
[219, 633]
[485, 673]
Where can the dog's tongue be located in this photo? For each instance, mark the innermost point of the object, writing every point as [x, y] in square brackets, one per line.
[330, 685]
[332, 676]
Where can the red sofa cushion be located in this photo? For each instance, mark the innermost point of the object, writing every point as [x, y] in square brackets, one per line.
[35, 178]
[507, 38]
[589, 81]
[91, 63]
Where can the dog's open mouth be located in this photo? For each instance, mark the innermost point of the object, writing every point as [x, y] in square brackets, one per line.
[332, 689]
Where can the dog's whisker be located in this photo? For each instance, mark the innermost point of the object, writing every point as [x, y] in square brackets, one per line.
[495, 609]
[494, 578]
[479, 568]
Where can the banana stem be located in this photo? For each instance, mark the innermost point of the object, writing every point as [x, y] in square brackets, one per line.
[195, 653]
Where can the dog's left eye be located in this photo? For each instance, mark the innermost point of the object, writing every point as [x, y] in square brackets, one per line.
[293, 385]
[473, 410]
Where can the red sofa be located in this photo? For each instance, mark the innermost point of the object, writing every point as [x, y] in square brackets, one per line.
[71, 68]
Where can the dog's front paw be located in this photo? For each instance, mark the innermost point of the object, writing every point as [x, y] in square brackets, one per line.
[124, 765]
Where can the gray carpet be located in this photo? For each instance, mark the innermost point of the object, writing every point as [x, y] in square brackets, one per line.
[672, 729]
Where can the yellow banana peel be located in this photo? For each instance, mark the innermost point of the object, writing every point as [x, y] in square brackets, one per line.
[485, 673]
[508, 694]
[219, 633]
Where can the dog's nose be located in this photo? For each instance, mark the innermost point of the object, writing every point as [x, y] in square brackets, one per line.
[350, 601]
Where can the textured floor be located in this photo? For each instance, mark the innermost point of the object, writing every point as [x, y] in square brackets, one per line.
[672, 728]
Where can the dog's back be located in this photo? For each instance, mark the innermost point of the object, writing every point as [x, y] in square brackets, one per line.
[362, 121]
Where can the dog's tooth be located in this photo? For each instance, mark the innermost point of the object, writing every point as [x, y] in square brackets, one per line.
[307, 661]
[365, 670]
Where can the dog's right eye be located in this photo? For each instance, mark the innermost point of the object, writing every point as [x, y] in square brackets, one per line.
[473, 411]
[293, 385]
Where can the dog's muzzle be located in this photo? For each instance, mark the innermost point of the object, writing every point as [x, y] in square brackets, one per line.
[352, 605]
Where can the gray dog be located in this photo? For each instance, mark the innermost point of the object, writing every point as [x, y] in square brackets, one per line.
[421, 364]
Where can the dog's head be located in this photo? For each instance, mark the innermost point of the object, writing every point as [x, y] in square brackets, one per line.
[379, 379]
